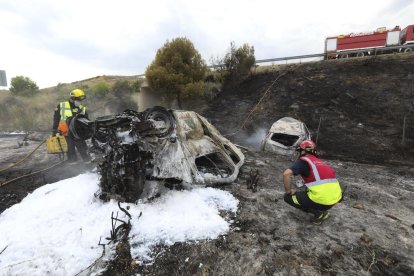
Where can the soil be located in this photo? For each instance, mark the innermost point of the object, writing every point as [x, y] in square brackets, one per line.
[370, 231]
[355, 110]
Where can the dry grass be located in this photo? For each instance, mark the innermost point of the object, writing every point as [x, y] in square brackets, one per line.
[36, 112]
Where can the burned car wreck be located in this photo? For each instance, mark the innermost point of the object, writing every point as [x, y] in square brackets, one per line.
[140, 151]
[285, 135]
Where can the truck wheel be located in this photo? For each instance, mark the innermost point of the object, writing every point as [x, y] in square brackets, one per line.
[360, 54]
[343, 56]
[408, 50]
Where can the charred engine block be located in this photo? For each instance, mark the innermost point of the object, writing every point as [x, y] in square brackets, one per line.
[125, 149]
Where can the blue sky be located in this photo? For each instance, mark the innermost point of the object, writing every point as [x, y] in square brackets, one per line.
[55, 41]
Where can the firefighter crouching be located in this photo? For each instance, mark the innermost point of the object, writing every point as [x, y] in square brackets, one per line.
[64, 113]
[322, 188]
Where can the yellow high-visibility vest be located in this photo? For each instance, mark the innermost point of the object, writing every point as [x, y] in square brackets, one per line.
[66, 111]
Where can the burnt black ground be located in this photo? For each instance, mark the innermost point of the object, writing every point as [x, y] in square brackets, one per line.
[369, 232]
[361, 104]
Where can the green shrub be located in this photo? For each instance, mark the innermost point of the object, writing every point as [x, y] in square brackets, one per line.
[136, 85]
[238, 62]
[21, 85]
[121, 87]
[100, 90]
[212, 90]
[177, 67]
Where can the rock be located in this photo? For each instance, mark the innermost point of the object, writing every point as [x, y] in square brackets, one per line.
[294, 106]
[260, 163]
[358, 206]
[339, 250]
[366, 239]
[263, 239]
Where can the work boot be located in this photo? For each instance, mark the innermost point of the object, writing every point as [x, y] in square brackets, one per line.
[319, 218]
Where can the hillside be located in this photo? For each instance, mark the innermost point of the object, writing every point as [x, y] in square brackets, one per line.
[358, 106]
[105, 95]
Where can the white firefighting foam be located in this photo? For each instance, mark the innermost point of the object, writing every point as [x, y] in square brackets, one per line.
[56, 229]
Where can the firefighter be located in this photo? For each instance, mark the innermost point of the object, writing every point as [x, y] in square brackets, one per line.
[64, 112]
[322, 188]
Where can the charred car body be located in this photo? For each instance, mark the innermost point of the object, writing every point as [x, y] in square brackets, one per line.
[157, 145]
[285, 135]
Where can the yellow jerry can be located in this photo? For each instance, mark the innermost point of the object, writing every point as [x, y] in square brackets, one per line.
[56, 144]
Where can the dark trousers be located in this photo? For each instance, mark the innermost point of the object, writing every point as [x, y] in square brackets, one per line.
[305, 204]
[80, 146]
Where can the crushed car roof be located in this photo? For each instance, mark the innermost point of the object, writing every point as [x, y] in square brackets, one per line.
[284, 136]
[287, 125]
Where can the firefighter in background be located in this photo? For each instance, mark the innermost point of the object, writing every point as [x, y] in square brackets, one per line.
[322, 188]
[64, 112]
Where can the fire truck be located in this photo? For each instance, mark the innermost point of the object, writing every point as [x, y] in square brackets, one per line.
[380, 41]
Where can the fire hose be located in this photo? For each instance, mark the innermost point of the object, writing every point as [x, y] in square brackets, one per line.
[22, 176]
[21, 161]
[27, 156]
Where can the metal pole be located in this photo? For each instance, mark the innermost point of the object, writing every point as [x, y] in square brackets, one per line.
[403, 135]
[317, 132]
[3, 79]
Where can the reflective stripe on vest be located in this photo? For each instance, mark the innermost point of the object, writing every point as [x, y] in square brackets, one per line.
[66, 110]
[315, 171]
[322, 191]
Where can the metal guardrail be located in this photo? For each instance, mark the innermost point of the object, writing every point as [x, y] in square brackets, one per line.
[289, 58]
[374, 50]
[323, 55]
[278, 59]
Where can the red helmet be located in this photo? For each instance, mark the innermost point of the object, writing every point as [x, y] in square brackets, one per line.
[307, 145]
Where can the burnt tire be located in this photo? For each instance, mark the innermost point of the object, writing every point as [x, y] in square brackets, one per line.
[160, 114]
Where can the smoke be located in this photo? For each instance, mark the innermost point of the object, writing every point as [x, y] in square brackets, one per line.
[254, 140]
[148, 98]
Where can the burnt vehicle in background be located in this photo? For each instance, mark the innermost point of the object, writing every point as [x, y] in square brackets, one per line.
[285, 135]
[142, 151]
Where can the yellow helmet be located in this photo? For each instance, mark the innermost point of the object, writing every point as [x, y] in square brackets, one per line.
[78, 94]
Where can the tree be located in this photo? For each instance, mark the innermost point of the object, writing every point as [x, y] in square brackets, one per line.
[177, 70]
[239, 61]
[23, 85]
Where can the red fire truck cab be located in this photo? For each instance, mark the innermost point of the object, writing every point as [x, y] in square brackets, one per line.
[380, 41]
[407, 35]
